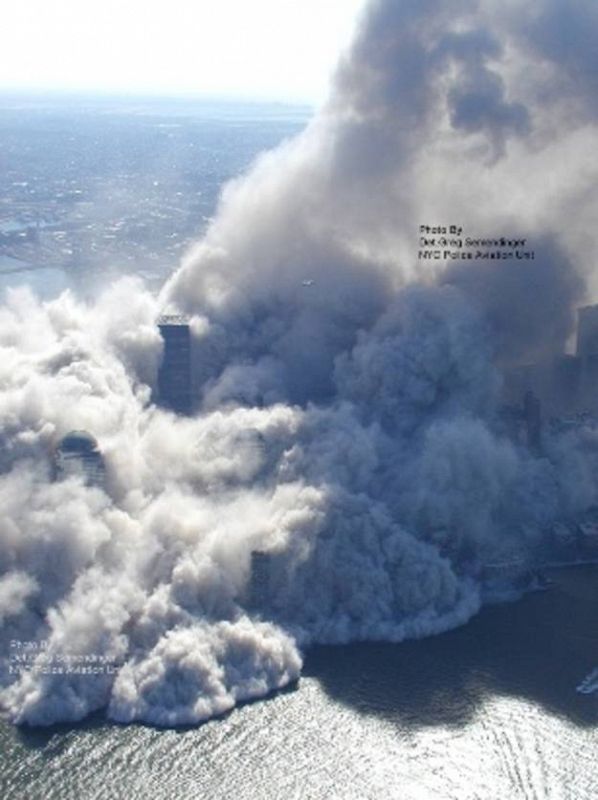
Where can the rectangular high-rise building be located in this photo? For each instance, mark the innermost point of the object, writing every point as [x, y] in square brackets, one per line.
[587, 331]
[174, 376]
[259, 580]
[587, 351]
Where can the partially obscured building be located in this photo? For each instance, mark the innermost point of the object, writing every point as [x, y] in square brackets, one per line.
[259, 579]
[174, 376]
[532, 412]
[564, 384]
[78, 455]
[587, 331]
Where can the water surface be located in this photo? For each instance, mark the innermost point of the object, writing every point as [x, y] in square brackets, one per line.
[486, 711]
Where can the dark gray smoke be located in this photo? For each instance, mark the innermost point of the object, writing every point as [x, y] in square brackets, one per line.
[345, 412]
[529, 305]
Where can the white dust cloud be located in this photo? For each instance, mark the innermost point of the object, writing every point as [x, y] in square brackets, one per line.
[346, 395]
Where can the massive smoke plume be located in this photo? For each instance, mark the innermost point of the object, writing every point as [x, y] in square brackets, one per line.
[345, 409]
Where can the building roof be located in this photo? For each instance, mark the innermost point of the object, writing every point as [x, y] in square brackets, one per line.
[172, 319]
[78, 442]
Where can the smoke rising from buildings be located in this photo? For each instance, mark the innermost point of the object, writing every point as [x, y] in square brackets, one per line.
[346, 393]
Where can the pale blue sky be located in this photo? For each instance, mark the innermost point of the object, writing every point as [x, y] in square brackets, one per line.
[275, 49]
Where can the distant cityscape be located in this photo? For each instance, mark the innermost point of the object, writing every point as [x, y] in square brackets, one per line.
[119, 186]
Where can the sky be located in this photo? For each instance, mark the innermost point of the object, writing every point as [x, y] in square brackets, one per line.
[264, 49]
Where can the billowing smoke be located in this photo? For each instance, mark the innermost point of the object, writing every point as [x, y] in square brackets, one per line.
[346, 396]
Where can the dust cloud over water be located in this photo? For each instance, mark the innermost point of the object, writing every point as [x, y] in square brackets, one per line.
[487, 710]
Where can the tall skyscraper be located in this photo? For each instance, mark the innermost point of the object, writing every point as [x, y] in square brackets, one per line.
[587, 351]
[587, 331]
[174, 376]
[259, 580]
[78, 454]
[532, 415]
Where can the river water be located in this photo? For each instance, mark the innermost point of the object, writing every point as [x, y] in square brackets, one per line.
[486, 711]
